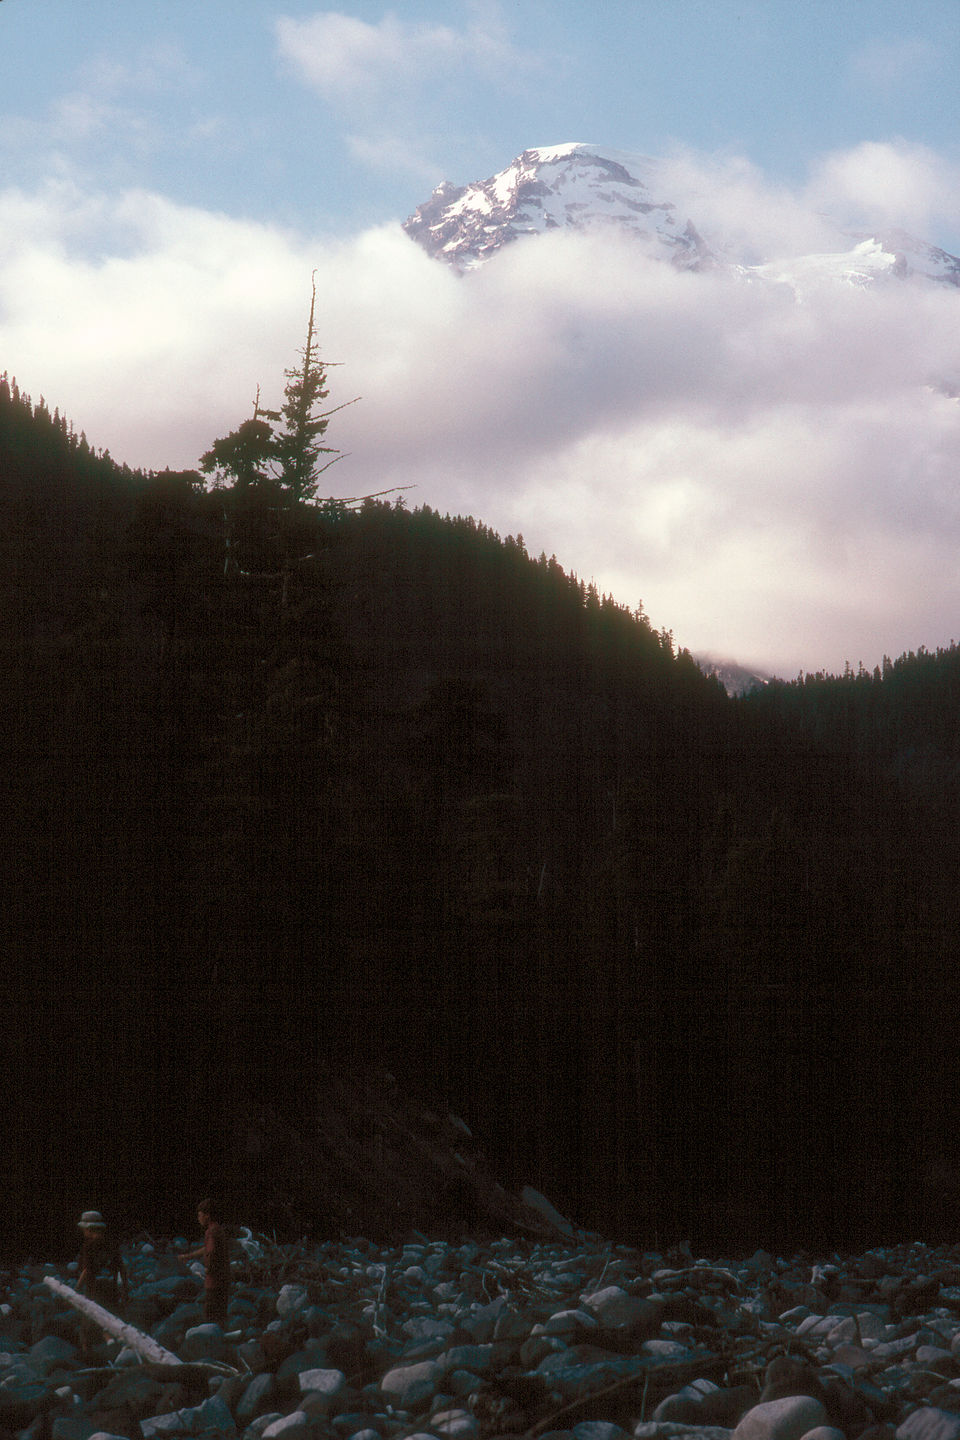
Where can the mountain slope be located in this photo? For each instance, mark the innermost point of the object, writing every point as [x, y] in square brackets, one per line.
[580, 186]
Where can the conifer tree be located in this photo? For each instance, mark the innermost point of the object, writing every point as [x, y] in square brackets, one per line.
[242, 454]
[270, 465]
[299, 442]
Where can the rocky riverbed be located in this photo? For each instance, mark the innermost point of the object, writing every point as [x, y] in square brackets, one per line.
[578, 1339]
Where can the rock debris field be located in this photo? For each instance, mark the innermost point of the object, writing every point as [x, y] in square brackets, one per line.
[581, 1340]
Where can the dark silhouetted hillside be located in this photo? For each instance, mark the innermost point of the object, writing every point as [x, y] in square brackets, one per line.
[393, 794]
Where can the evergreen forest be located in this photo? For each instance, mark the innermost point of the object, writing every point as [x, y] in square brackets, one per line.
[296, 787]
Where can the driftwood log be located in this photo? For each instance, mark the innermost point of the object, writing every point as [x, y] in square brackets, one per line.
[171, 1367]
[144, 1345]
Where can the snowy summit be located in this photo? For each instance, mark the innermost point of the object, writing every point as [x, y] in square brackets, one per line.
[577, 185]
[547, 188]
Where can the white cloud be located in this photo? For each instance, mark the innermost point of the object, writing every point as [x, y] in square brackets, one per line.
[395, 85]
[137, 316]
[753, 470]
[118, 122]
[342, 56]
[730, 196]
[774, 481]
[346, 58]
[893, 183]
[873, 184]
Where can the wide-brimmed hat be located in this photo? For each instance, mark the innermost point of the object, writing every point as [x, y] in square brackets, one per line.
[91, 1220]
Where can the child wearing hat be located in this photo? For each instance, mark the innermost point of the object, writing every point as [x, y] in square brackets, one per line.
[103, 1275]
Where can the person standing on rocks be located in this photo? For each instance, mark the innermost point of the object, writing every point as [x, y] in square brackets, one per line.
[215, 1254]
[102, 1273]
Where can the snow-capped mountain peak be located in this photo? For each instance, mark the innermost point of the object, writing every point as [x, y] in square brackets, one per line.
[546, 188]
[577, 185]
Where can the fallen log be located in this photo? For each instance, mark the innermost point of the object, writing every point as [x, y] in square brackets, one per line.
[143, 1344]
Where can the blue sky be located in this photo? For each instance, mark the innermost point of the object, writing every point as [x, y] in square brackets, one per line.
[338, 118]
[170, 175]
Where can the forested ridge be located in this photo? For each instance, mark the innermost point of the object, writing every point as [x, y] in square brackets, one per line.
[294, 788]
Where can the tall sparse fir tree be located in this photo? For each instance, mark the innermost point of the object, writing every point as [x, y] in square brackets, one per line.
[283, 447]
[298, 443]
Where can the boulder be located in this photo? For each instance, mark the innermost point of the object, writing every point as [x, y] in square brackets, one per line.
[291, 1299]
[584, 1369]
[295, 1426]
[23, 1394]
[667, 1430]
[71, 1427]
[329, 1383]
[930, 1423]
[211, 1418]
[787, 1376]
[614, 1309]
[51, 1353]
[252, 1354]
[428, 1327]
[263, 1422]
[571, 1322]
[288, 1372]
[666, 1350]
[204, 1342]
[134, 1393]
[256, 1398]
[599, 1430]
[454, 1425]
[171, 1330]
[480, 1359]
[787, 1419]
[167, 1292]
[411, 1387]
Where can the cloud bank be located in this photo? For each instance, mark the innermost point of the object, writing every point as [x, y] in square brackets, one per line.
[776, 482]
